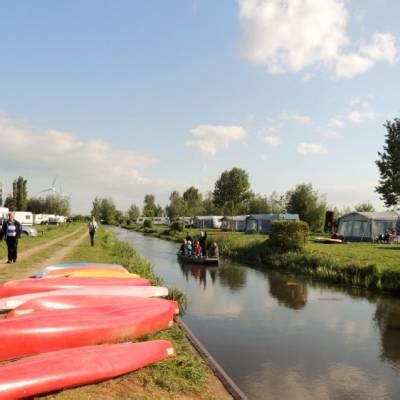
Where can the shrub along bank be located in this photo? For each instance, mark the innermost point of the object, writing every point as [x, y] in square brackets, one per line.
[366, 265]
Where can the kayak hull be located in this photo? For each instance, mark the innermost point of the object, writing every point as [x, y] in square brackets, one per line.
[22, 286]
[67, 302]
[9, 303]
[46, 331]
[74, 367]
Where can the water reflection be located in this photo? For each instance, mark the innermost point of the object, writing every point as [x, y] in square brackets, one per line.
[387, 317]
[199, 273]
[284, 337]
[290, 292]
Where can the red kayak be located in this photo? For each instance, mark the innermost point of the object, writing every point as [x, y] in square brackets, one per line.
[45, 331]
[74, 367]
[32, 285]
[66, 302]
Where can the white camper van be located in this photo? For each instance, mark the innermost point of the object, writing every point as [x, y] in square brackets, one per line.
[24, 217]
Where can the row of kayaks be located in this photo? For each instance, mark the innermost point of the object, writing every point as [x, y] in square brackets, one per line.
[68, 326]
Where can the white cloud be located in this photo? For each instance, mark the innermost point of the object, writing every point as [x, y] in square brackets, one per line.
[288, 36]
[273, 140]
[359, 117]
[300, 119]
[85, 167]
[210, 139]
[336, 123]
[311, 148]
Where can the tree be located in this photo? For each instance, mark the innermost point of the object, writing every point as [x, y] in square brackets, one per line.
[209, 207]
[133, 213]
[20, 194]
[150, 209]
[105, 211]
[193, 199]
[9, 203]
[232, 191]
[389, 165]
[305, 201]
[56, 204]
[364, 207]
[176, 207]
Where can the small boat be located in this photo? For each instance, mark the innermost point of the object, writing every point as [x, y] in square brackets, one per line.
[62, 369]
[45, 331]
[67, 302]
[9, 303]
[32, 285]
[204, 260]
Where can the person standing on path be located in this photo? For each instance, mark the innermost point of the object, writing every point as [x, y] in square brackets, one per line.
[92, 226]
[11, 231]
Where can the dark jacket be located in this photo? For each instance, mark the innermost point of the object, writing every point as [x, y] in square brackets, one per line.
[4, 229]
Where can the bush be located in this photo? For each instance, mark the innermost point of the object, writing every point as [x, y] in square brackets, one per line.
[288, 235]
[178, 226]
[147, 224]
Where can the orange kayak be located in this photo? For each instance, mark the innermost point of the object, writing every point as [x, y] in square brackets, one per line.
[74, 367]
[92, 273]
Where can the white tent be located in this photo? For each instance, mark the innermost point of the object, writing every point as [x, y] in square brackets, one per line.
[367, 226]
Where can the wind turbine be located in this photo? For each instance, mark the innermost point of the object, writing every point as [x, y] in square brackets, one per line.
[52, 188]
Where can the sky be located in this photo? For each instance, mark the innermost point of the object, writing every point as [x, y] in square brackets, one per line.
[122, 98]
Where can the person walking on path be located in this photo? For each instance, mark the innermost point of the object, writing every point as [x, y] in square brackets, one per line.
[11, 231]
[92, 226]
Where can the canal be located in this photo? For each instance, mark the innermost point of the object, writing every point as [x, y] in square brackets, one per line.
[284, 337]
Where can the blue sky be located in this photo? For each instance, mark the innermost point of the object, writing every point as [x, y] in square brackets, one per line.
[129, 97]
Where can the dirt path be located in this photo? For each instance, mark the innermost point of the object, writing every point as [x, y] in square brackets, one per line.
[28, 253]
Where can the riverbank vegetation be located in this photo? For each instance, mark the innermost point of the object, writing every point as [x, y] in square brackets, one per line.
[367, 265]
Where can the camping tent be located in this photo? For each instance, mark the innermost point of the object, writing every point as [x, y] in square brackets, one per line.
[261, 223]
[208, 221]
[367, 226]
[236, 223]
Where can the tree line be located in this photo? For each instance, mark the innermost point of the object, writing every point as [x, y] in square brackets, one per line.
[18, 200]
[232, 195]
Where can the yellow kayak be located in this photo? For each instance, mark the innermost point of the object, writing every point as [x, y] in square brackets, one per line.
[60, 272]
[98, 273]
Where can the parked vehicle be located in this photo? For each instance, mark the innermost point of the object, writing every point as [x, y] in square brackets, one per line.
[29, 230]
[24, 217]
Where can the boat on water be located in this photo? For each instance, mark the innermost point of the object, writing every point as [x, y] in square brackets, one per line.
[191, 259]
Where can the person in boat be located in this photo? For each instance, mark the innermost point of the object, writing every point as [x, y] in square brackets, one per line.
[197, 249]
[188, 248]
[203, 243]
[213, 250]
[188, 237]
[182, 248]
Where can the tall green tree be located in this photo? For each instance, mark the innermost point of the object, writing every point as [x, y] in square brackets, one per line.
[232, 191]
[20, 193]
[133, 213]
[150, 208]
[306, 202]
[193, 201]
[389, 165]
[105, 211]
[176, 206]
[365, 207]
[209, 207]
[9, 203]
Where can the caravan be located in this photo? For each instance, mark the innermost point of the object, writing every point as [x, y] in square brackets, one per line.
[24, 217]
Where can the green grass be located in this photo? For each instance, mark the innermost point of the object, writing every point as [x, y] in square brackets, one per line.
[45, 233]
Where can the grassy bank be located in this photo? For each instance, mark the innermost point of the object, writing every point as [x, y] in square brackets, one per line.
[366, 265]
[183, 377]
[45, 233]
